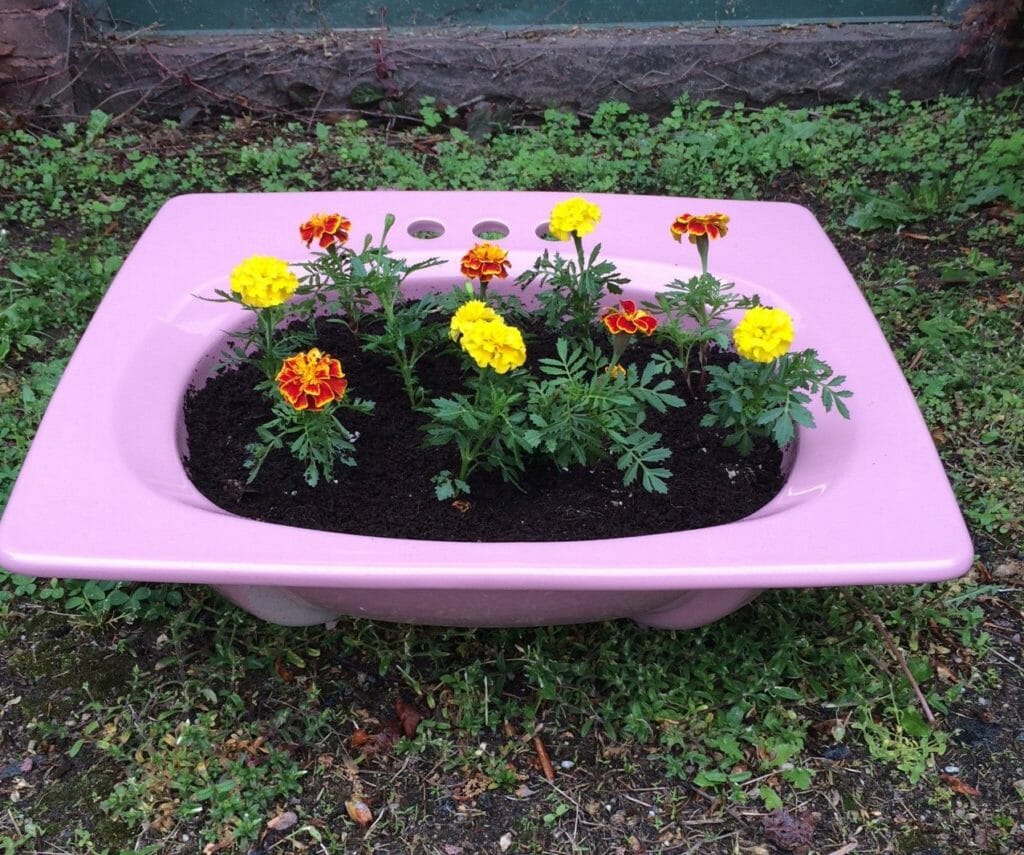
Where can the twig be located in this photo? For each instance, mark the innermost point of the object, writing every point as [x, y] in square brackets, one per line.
[1008, 661]
[545, 761]
[897, 654]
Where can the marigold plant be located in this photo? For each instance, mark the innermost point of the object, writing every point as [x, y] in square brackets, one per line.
[574, 216]
[573, 289]
[312, 389]
[327, 229]
[262, 281]
[767, 391]
[627, 319]
[763, 334]
[494, 344]
[700, 229]
[696, 226]
[311, 380]
[470, 312]
[484, 262]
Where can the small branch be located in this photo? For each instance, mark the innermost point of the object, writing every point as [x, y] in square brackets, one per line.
[897, 654]
[545, 761]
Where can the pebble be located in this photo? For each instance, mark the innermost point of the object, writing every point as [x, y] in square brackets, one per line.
[567, 764]
[837, 752]
[952, 770]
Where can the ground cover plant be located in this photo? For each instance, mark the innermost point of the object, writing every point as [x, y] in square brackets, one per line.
[161, 719]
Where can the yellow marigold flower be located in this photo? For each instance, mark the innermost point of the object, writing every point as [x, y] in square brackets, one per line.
[263, 281]
[763, 334]
[705, 225]
[494, 344]
[485, 261]
[575, 215]
[311, 380]
[468, 313]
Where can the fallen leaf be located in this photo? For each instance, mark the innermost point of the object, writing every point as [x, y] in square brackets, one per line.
[475, 785]
[409, 717]
[1009, 570]
[283, 821]
[790, 833]
[283, 672]
[958, 786]
[359, 812]
[406, 720]
[844, 850]
[219, 846]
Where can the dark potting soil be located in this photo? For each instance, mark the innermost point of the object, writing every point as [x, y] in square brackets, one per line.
[390, 492]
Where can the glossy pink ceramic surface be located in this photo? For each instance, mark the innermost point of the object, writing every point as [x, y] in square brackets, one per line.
[103, 493]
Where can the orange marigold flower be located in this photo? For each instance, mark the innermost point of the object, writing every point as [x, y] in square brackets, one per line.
[706, 225]
[311, 380]
[485, 261]
[628, 319]
[325, 228]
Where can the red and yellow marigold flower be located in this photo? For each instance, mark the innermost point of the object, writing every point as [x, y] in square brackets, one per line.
[311, 380]
[574, 216]
[484, 262]
[711, 226]
[326, 229]
[262, 281]
[470, 312]
[763, 334]
[494, 344]
[627, 319]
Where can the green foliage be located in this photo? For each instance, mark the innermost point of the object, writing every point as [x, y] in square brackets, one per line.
[571, 291]
[580, 412]
[696, 312]
[347, 283]
[487, 429]
[769, 400]
[315, 438]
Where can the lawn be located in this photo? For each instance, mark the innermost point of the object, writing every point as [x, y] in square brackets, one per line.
[164, 720]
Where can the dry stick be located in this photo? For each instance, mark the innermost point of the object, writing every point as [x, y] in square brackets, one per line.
[897, 654]
[545, 761]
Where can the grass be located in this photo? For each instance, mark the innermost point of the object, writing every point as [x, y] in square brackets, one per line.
[200, 723]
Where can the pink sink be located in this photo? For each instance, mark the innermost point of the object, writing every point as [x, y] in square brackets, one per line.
[103, 493]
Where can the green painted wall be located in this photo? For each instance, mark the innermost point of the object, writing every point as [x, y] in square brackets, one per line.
[192, 15]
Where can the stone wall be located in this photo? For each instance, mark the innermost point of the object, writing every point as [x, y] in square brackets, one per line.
[309, 75]
[35, 47]
[53, 61]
